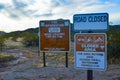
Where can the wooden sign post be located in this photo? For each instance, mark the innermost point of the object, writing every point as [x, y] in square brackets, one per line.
[55, 36]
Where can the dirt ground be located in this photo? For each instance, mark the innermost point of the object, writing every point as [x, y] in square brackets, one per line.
[29, 66]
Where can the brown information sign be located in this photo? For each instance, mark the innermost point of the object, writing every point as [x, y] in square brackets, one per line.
[90, 42]
[55, 35]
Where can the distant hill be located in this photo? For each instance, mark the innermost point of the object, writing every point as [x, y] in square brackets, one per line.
[36, 30]
[115, 26]
[2, 32]
[30, 30]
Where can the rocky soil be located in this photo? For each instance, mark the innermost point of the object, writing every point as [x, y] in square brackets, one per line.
[29, 66]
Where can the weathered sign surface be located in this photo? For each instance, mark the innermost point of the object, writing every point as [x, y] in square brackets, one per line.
[55, 35]
[90, 51]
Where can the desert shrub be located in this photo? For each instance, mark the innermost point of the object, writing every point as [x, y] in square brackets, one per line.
[2, 44]
[30, 39]
[113, 45]
[6, 57]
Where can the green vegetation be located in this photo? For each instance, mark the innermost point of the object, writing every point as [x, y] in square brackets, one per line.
[2, 39]
[113, 45]
[29, 38]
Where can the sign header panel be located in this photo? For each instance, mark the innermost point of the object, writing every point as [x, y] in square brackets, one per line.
[96, 21]
[90, 51]
[54, 35]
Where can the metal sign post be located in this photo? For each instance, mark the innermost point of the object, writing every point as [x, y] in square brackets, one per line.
[38, 43]
[44, 60]
[90, 52]
[89, 74]
[66, 56]
[90, 48]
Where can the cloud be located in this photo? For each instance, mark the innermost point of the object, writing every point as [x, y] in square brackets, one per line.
[55, 3]
[18, 9]
[44, 15]
[18, 4]
[47, 8]
[21, 10]
[115, 17]
[1, 6]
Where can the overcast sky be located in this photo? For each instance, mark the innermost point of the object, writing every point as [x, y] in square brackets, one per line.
[24, 14]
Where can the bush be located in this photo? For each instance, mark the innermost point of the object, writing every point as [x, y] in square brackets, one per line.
[30, 39]
[6, 57]
[2, 39]
[113, 45]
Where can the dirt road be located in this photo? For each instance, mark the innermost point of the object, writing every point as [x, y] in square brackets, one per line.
[29, 66]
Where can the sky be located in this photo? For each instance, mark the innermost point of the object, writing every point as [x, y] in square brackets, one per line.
[23, 14]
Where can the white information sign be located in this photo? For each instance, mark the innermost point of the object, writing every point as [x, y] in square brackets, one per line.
[95, 21]
[90, 51]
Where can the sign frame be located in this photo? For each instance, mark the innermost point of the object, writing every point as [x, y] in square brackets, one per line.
[87, 26]
[58, 30]
[105, 53]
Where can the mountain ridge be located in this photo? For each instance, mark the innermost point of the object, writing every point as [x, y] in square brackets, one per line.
[36, 30]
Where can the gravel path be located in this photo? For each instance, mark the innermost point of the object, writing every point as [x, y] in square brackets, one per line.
[31, 68]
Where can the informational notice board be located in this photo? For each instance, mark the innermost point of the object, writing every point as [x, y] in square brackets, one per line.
[54, 35]
[90, 51]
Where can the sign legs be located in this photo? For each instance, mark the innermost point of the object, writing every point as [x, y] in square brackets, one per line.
[44, 60]
[89, 74]
[66, 56]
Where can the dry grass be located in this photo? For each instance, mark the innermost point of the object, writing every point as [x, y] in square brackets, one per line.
[13, 44]
[4, 57]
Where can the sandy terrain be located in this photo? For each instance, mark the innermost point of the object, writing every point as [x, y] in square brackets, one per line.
[29, 66]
